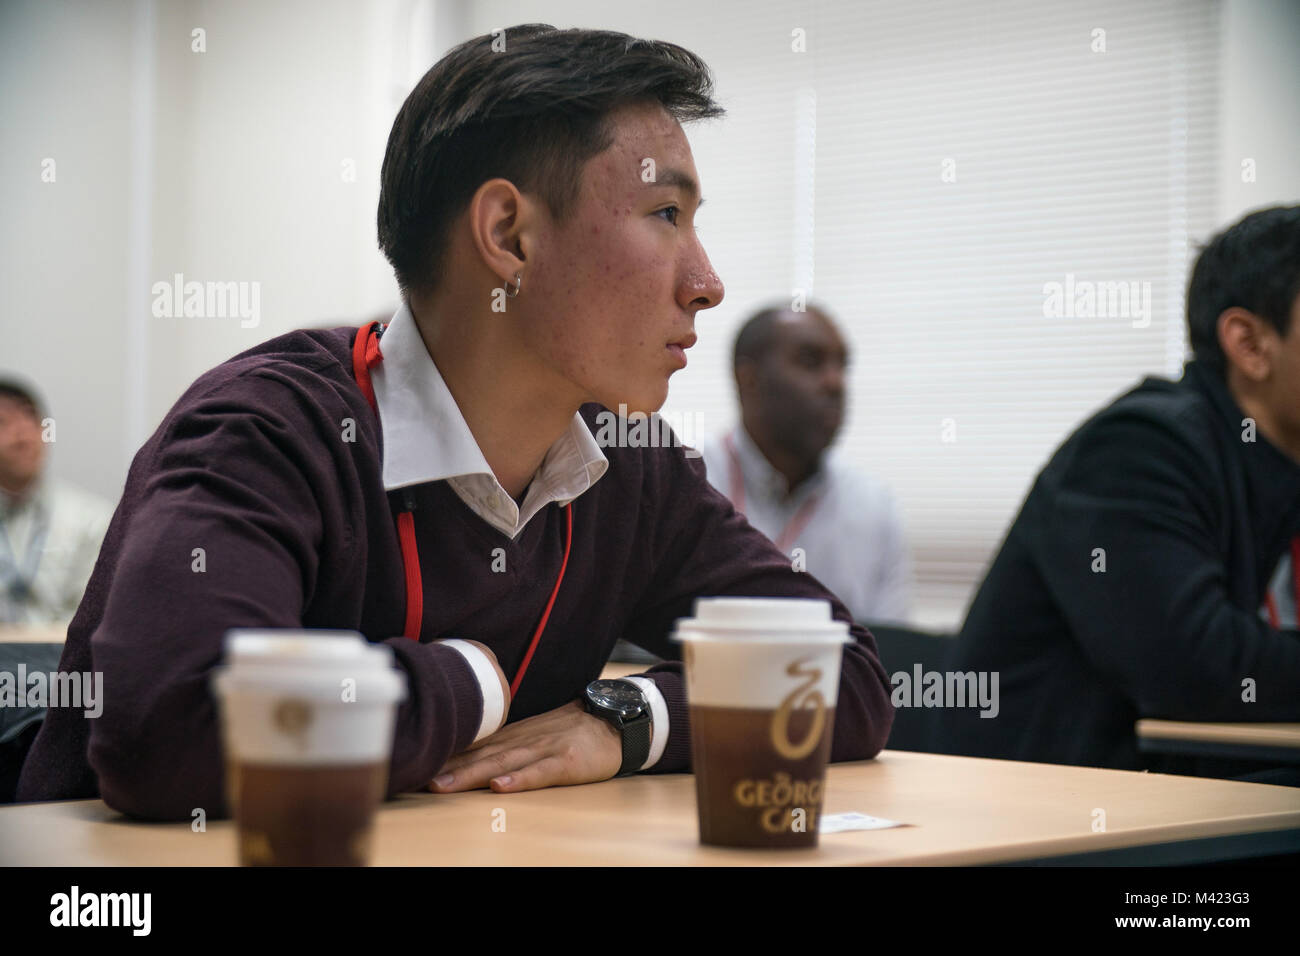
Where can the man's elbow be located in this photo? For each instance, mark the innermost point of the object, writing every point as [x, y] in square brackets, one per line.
[161, 773]
[864, 736]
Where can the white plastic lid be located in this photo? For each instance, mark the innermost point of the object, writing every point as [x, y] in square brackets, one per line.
[299, 649]
[773, 618]
[308, 663]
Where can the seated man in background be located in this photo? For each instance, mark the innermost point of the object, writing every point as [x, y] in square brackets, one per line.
[1131, 583]
[436, 484]
[50, 532]
[789, 368]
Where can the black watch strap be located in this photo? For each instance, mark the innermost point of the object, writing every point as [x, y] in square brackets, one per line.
[636, 743]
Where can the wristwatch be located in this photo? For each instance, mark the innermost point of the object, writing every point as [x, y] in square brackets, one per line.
[624, 705]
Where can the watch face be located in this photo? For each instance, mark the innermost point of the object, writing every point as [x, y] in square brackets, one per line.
[621, 696]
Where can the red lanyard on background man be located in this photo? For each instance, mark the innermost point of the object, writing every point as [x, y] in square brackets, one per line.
[365, 356]
[1274, 619]
[797, 523]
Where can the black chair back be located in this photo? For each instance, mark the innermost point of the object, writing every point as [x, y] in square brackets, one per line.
[19, 725]
[901, 650]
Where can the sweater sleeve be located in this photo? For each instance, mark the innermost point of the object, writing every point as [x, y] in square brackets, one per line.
[702, 547]
[1129, 551]
[234, 502]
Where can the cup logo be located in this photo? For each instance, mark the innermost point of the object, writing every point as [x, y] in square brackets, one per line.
[801, 698]
[293, 717]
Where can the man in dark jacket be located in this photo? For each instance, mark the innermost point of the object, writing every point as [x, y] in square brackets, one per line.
[1134, 581]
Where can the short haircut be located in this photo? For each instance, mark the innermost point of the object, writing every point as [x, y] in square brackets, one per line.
[754, 340]
[534, 114]
[1253, 264]
[21, 393]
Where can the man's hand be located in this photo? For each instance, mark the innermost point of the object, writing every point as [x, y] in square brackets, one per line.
[558, 748]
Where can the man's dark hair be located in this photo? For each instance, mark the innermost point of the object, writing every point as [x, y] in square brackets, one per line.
[754, 340]
[21, 393]
[533, 114]
[1253, 264]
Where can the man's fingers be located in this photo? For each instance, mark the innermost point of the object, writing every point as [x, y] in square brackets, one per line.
[547, 772]
[474, 770]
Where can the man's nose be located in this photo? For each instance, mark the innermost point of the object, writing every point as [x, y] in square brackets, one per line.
[833, 380]
[702, 289]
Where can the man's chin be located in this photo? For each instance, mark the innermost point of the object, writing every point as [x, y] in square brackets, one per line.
[635, 404]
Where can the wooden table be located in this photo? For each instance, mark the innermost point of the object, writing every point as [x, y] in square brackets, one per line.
[962, 811]
[1271, 742]
[51, 634]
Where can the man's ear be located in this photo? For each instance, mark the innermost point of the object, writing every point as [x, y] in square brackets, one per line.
[1248, 342]
[498, 214]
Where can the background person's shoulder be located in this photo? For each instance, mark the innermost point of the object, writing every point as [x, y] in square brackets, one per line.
[1159, 429]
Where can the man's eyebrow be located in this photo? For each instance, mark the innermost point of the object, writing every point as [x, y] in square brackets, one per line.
[678, 179]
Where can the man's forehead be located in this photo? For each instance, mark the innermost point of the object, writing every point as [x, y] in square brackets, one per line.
[652, 133]
[641, 121]
[11, 402]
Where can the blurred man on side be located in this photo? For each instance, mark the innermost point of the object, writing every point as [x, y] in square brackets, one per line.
[1133, 580]
[50, 532]
[789, 368]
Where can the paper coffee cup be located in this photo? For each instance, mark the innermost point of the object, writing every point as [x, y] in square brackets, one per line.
[762, 679]
[307, 723]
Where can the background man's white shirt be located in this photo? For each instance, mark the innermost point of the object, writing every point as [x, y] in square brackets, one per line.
[52, 538]
[853, 539]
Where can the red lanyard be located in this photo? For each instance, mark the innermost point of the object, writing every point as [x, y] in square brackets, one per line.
[1274, 618]
[796, 524]
[365, 356]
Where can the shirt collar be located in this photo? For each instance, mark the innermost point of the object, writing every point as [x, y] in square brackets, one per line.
[760, 474]
[34, 499]
[427, 439]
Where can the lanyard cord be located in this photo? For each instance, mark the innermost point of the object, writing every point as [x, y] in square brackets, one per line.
[24, 579]
[1274, 619]
[365, 356]
[796, 524]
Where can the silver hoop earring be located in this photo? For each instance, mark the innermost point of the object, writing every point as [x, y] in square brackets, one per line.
[519, 281]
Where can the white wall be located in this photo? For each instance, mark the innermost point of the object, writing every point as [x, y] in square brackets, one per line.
[222, 165]
[1260, 105]
[65, 75]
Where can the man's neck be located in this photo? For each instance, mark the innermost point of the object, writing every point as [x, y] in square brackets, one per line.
[1254, 406]
[14, 491]
[795, 468]
[512, 409]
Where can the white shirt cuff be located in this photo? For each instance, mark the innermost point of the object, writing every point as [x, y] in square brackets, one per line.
[494, 702]
[658, 719]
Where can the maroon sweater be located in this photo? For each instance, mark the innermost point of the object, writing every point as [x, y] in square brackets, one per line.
[296, 530]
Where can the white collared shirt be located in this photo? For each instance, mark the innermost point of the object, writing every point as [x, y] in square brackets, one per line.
[850, 537]
[49, 540]
[426, 438]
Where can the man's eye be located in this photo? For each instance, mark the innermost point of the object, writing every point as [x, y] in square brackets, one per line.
[670, 209]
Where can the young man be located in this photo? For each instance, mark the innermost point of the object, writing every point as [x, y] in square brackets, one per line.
[537, 206]
[1134, 582]
[789, 369]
